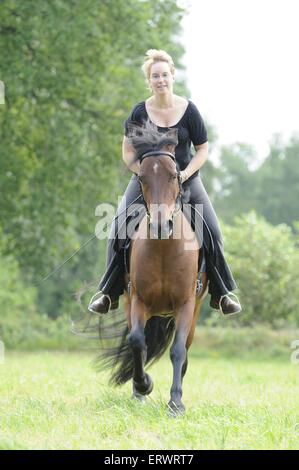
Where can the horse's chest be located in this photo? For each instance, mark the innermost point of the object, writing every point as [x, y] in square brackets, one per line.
[160, 284]
[162, 272]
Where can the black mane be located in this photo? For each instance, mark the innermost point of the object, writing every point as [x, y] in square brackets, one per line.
[147, 137]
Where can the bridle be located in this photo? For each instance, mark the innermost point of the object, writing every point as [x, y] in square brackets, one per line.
[178, 202]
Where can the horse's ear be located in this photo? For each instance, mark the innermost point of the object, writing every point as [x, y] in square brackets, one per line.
[168, 148]
[172, 134]
[171, 140]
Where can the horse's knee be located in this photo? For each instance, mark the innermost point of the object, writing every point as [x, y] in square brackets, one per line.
[178, 353]
[137, 340]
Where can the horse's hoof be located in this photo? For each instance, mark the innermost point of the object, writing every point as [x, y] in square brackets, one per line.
[143, 388]
[175, 409]
[137, 396]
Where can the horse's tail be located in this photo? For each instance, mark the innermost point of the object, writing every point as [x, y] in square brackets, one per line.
[158, 334]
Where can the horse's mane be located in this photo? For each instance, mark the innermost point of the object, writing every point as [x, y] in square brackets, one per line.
[147, 137]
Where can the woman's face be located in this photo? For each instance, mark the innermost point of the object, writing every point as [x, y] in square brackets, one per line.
[161, 78]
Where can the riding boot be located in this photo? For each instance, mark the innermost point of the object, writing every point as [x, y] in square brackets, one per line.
[226, 305]
[103, 304]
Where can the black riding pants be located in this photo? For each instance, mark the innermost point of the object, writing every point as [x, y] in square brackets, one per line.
[218, 271]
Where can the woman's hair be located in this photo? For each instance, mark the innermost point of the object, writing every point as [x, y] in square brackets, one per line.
[155, 55]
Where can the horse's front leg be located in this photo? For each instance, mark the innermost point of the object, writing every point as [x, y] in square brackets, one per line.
[142, 383]
[178, 354]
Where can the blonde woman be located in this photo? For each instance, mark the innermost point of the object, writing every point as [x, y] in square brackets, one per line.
[168, 110]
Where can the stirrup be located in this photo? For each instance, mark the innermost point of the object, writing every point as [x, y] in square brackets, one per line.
[93, 299]
[229, 314]
[199, 287]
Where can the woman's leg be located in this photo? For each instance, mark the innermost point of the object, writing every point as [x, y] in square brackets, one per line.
[219, 273]
[112, 282]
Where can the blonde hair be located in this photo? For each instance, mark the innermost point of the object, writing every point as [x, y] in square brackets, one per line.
[155, 55]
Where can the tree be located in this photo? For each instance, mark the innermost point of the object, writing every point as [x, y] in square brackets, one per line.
[278, 182]
[71, 76]
[236, 184]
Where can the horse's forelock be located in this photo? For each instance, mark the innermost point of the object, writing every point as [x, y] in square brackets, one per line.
[147, 137]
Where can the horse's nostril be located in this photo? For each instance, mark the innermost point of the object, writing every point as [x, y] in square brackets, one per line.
[160, 230]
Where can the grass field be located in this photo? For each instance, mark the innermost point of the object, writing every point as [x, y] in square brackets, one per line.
[57, 401]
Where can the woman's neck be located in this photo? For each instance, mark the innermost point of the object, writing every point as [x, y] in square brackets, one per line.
[164, 101]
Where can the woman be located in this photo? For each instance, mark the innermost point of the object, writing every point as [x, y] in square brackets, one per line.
[166, 110]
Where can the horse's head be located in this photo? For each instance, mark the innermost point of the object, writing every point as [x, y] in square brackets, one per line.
[158, 176]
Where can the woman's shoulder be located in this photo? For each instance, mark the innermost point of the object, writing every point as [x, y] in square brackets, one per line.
[193, 111]
[138, 107]
[192, 106]
[138, 112]
[137, 115]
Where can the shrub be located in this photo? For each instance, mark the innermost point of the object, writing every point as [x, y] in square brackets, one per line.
[264, 260]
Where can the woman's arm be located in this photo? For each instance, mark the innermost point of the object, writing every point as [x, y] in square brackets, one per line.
[197, 161]
[129, 156]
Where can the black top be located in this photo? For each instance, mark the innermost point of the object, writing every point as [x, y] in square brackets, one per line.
[190, 127]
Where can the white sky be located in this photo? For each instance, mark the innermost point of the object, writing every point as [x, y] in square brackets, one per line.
[242, 59]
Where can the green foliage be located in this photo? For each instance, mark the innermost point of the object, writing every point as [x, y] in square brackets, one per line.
[272, 189]
[17, 300]
[71, 71]
[72, 74]
[264, 260]
[222, 337]
[277, 191]
[22, 326]
[235, 181]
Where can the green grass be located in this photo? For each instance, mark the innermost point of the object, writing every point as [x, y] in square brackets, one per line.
[57, 401]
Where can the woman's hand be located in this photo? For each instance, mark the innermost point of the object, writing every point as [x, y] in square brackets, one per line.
[184, 175]
[196, 161]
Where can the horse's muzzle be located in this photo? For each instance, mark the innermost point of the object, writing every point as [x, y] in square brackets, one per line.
[161, 230]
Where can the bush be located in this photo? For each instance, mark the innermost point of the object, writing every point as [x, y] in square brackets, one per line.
[17, 300]
[264, 260]
[22, 325]
[259, 342]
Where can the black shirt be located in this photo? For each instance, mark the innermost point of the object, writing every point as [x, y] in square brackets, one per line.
[190, 127]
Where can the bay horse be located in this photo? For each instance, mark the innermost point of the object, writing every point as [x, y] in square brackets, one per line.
[160, 296]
